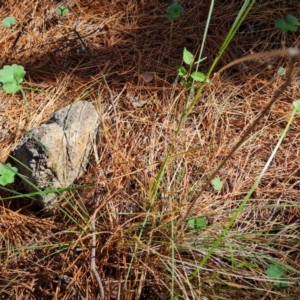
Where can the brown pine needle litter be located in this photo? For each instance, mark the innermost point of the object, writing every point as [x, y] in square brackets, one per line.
[118, 55]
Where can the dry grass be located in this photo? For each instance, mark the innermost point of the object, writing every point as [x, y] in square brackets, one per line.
[49, 257]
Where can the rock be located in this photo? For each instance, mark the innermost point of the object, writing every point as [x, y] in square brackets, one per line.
[55, 154]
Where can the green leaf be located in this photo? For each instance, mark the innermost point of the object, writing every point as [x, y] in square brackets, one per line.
[217, 183]
[181, 71]
[197, 223]
[174, 11]
[9, 22]
[11, 76]
[62, 11]
[292, 27]
[12, 73]
[291, 23]
[188, 85]
[297, 105]
[281, 71]
[18, 73]
[281, 24]
[198, 76]
[11, 87]
[275, 272]
[290, 19]
[282, 284]
[7, 174]
[188, 57]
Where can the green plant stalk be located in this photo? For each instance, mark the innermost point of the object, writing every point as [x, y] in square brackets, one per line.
[172, 250]
[241, 16]
[36, 90]
[212, 3]
[25, 98]
[245, 200]
[69, 215]
[45, 192]
[233, 263]
[40, 192]
[237, 23]
[10, 191]
[155, 185]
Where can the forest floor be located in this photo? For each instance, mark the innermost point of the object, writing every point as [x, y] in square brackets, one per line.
[122, 56]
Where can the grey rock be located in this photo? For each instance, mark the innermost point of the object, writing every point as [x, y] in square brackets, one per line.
[55, 154]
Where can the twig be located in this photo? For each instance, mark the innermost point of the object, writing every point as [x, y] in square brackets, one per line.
[87, 49]
[93, 257]
[20, 33]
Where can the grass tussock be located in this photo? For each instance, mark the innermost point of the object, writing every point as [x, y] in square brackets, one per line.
[127, 68]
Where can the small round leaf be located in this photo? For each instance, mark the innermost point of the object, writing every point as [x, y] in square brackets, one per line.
[62, 11]
[281, 71]
[10, 77]
[217, 183]
[173, 11]
[7, 174]
[9, 22]
[197, 223]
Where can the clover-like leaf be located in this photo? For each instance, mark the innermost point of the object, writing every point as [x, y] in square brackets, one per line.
[62, 11]
[7, 174]
[217, 183]
[281, 24]
[290, 24]
[11, 77]
[11, 87]
[9, 22]
[174, 11]
[197, 223]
